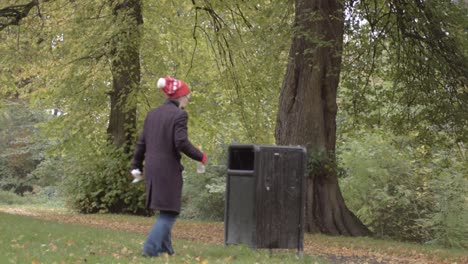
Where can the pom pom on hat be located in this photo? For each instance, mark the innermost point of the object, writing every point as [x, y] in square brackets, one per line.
[161, 83]
[172, 87]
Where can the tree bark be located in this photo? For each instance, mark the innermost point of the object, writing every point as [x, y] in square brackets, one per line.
[125, 57]
[307, 112]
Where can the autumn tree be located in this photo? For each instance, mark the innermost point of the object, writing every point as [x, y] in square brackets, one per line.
[307, 112]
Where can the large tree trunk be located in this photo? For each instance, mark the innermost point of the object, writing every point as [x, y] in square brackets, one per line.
[307, 112]
[125, 72]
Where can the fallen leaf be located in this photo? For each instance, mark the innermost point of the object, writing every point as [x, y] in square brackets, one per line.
[124, 250]
[17, 245]
[201, 260]
[53, 247]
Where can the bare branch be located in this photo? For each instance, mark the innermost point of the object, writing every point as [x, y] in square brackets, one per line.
[12, 15]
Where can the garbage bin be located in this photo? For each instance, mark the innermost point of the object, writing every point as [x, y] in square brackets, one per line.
[265, 196]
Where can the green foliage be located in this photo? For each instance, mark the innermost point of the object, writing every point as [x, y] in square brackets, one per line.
[405, 191]
[234, 72]
[50, 172]
[405, 68]
[449, 219]
[234, 100]
[232, 63]
[404, 73]
[203, 194]
[10, 198]
[40, 196]
[21, 150]
[98, 181]
[382, 188]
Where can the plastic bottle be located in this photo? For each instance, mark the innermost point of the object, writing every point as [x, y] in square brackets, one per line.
[200, 168]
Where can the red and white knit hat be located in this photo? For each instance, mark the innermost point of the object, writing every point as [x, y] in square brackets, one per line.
[172, 87]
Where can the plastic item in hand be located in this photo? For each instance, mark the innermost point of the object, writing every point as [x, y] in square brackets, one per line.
[136, 173]
[200, 168]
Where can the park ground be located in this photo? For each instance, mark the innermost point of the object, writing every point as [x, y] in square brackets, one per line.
[195, 242]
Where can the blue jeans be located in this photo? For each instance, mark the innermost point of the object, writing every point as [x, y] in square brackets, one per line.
[159, 238]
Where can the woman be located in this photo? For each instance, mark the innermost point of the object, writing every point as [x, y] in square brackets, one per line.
[163, 139]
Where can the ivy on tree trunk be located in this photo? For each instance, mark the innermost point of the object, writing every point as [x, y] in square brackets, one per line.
[125, 57]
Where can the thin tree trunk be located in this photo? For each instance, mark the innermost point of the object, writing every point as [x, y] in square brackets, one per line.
[125, 73]
[307, 112]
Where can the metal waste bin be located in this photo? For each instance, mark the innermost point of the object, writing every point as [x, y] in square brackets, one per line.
[265, 196]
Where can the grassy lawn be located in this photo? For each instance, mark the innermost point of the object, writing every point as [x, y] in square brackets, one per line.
[51, 233]
[29, 240]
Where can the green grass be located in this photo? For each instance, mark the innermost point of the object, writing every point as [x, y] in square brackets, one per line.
[10, 198]
[30, 240]
[39, 200]
[49, 242]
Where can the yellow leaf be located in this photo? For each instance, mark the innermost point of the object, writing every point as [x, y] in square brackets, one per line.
[201, 260]
[34, 261]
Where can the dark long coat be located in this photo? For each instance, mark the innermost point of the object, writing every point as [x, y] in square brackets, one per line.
[163, 139]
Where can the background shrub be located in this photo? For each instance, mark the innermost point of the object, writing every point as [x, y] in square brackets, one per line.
[99, 181]
[20, 151]
[203, 194]
[405, 191]
[449, 220]
[10, 198]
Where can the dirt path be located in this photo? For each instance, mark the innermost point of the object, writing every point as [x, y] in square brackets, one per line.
[213, 233]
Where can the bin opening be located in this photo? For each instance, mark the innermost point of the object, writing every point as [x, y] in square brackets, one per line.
[241, 158]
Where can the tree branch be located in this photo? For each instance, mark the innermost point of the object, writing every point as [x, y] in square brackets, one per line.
[12, 15]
